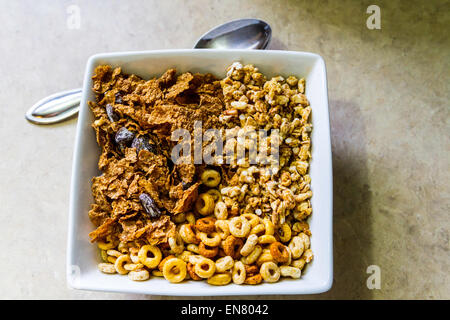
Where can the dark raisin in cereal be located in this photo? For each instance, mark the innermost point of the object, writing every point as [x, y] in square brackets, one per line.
[111, 114]
[142, 143]
[124, 136]
[118, 98]
[149, 205]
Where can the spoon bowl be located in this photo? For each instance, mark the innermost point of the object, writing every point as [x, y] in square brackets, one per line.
[237, 34]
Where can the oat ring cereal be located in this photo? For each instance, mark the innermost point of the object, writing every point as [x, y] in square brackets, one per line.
[176, 244]
[205, 268]
[265, 256]
[215, 194]
[120, 263]
[106, 245]
[249, 245]
[157, 273]
[222, 228]
[239, 227]
[259, 229]
[104, 255]
[253, 256]
[194, 259]
[220, 210]
[279, 252]
[210, 178]
[297, 247]
[270, 272]
[239, 274]
[205, 224]
[220, 279]
[192, 247]
[190, 218]
[225, 263]
[187, 234]
[266, 239]
[305, 239]
[161, 264]
[232, 246]
[289, 261]
[184, 255]
[205, 204]
[212, 240]
[107, 267]
[299, 263]
[174, 270]
[146, 260]
[289, 271]
[134, 257]
[252, 218]
[251, 270]
[285, 233]
[207, 251]
[191, 272]
[269, 227]
[308, 255]
[133, 266]
[139, 275]
[256, 279]
[113, 253]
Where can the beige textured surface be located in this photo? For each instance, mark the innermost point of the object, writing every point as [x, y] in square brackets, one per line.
[390, 120]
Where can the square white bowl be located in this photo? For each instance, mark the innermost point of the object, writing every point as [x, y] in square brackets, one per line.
[83, 257]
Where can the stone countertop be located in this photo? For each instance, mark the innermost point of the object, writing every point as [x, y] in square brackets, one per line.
[389, 107]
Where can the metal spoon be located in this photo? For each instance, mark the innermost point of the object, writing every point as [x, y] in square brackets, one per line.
[237, 34]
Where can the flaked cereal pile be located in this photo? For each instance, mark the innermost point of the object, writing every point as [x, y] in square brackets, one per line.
[232, 221]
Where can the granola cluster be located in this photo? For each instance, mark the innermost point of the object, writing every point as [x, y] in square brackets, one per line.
[281, 188]
[241, 219]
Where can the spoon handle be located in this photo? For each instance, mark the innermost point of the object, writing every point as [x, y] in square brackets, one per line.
[55, 108]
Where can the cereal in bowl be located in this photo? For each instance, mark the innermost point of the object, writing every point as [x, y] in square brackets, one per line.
[238, 216]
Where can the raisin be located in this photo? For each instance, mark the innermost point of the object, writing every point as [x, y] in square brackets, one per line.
[118, 98]
[124, 136]
[149, 205]
[111, 114]
[142, 143]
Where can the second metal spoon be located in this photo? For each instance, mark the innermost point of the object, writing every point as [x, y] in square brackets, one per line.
[237, 34]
